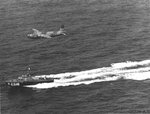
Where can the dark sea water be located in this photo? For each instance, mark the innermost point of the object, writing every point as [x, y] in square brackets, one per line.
[103, 63]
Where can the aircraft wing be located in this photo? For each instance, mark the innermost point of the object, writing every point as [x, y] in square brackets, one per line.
[36, 31]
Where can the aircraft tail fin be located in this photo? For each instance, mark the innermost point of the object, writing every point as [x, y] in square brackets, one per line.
[62, 30]
[62, 26]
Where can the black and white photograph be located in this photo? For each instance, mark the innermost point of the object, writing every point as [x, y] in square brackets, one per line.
[74, 56]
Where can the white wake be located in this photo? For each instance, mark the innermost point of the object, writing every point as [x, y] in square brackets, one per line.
[127, 70]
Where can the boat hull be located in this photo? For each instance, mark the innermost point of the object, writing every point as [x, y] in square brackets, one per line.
[24, 83]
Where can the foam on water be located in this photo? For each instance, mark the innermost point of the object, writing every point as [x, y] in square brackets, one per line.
[130, 64]
[115, 72]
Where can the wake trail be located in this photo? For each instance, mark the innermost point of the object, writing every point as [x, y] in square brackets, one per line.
[128, 70]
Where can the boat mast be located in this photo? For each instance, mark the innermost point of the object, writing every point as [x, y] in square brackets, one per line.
[28, 71]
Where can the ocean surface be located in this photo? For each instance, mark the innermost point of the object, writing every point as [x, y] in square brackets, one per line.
[102, 65]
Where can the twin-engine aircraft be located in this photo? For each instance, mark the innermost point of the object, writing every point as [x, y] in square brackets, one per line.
[50, 34]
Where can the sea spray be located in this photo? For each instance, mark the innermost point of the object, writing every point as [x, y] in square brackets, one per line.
[136, 71]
